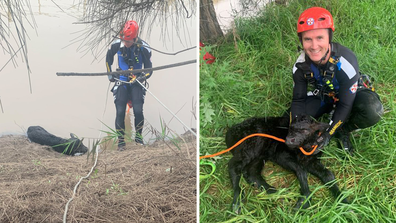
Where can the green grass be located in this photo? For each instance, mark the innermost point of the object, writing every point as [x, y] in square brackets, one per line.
[254, 79]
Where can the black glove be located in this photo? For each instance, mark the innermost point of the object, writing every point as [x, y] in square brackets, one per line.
[141, 78]
[322, 141]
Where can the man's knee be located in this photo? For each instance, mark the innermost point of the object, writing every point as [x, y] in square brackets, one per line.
[367, 109]
[120, 108]
[138, 109]
[120, 113]
[374, 112]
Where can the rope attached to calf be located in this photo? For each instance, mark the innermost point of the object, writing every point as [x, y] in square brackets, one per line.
[262, 135]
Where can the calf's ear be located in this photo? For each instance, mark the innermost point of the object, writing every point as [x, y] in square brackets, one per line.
[73, 136]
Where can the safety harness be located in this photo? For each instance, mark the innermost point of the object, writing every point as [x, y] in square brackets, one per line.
[131, 60]
[327, 86]
[314, 74]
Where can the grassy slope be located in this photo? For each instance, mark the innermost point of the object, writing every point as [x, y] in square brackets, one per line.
[254, 79]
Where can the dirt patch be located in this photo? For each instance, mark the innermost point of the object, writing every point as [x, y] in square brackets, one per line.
[141, 184]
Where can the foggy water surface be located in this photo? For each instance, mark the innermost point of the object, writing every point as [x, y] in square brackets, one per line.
[77, 104]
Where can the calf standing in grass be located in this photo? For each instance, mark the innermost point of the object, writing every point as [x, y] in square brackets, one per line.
[72, 146]
[249, 156]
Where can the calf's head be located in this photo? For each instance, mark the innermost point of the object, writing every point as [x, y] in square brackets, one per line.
[76, 145]
[303, 132]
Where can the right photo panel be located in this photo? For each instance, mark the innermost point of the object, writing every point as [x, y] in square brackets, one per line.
[296, 111]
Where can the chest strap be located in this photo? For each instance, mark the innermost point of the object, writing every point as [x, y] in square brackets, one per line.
[322, 81]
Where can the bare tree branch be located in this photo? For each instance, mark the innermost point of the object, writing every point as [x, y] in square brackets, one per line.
[14, 36]
[105, 19]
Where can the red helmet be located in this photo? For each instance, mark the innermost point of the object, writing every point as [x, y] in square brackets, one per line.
[315, 18]
[130, 30]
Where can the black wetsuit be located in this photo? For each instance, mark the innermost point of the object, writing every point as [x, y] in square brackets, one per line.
[136, 56]
[355, 105]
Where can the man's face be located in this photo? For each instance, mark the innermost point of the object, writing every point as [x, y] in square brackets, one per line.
[128, 43]
[316, 43]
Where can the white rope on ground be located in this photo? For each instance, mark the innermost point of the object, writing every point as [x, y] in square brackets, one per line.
[75, 187]
[93, 167]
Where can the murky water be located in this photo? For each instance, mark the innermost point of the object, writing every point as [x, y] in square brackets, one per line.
[80, 104]
[227, 9]
[224, 11]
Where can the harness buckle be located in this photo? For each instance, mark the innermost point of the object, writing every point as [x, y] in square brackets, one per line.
[334, 60]
[315, 92]
[309, 75]
[330, 73]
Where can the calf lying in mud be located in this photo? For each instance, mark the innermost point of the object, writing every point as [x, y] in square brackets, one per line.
[72, 146]
[249, 156]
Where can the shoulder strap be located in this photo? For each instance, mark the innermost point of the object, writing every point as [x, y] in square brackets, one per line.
[334, 49]
[139, 43]
[333, 63]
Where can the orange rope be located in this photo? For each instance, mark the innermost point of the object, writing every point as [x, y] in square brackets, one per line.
[253, 135]
[308, 153]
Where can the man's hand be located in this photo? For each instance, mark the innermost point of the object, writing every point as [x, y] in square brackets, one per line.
[141, 78]
[323, 140]
[132, 78]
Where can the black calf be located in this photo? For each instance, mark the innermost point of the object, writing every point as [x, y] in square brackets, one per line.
[249, 156]
[72, 146]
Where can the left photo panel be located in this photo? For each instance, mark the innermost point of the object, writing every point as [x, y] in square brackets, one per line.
[98, 111]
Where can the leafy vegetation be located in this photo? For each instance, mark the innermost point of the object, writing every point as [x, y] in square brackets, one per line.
[252, 77]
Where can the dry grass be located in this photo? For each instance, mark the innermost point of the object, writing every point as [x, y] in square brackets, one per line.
[140, 184]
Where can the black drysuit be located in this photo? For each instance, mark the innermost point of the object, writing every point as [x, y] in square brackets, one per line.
[136, 56]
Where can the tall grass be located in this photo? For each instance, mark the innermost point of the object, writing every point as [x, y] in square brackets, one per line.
[252, 77]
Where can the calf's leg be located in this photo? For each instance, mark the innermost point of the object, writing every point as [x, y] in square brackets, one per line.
[235, 171]
[316, 168]
[252, 174]
[290, 163]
